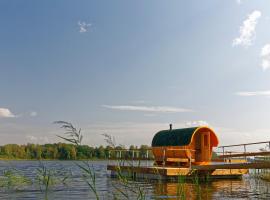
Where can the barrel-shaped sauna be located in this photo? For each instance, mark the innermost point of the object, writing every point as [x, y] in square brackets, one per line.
[176, 147]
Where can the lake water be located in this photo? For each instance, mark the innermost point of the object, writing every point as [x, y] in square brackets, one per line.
[75, 187]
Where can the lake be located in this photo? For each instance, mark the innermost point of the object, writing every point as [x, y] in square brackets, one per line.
[69, 184]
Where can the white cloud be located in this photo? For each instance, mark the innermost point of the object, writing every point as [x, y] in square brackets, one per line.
[83, 26]
[32, 138]
[6, 113]
[247, 30]
[255, 93]
[39, 140]
[265, 55]
[196, 123]
[239, 1]
[160, 109]
[33, 114]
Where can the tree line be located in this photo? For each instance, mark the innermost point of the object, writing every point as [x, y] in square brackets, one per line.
[63, 151]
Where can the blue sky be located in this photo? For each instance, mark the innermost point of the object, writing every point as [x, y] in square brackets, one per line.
[129, 68]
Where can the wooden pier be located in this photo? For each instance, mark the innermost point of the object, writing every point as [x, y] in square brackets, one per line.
[173, 173]
[228, 165]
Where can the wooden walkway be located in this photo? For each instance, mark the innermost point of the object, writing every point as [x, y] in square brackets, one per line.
[245, 153]
[228, 165]
[163, 173]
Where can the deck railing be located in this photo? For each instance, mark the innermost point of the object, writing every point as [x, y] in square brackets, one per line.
[171, 149]
[245, 153]
[134, 155]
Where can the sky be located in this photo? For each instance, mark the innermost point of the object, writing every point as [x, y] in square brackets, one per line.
[130, 68]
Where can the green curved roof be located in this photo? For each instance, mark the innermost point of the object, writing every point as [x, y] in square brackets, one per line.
[175, 137]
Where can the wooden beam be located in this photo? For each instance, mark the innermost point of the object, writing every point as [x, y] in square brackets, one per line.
[235, 145]
[179, 160]
[255, 165]
[263, 153]
[177, 171]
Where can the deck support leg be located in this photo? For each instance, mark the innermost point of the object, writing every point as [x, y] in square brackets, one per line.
[132, 157]
[147, 155]
[223, 151]
[245, 151]
[164, 153]
[109, 156]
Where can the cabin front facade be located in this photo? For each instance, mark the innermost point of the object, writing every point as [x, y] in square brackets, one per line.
[180, 147]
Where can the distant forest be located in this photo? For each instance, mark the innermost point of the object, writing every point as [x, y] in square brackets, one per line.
[63, 151]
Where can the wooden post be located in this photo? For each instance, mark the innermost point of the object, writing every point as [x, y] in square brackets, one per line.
[109, 156]
[223, 150]
[190, 158]
[245, 151]
[132, 157]
[147, 157]
[164, 154]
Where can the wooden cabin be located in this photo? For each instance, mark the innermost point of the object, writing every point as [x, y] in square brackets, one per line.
[181, 147]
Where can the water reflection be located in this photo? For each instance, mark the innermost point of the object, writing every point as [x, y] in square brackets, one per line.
[76, 188]
[247, 188]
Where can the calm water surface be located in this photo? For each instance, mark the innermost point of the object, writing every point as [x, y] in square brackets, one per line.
[76, 188]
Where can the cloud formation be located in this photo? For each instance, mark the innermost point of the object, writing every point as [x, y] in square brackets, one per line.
[248, 30]
[160, 109]
[255, 93]
[33, 114]
[37, 140]
[6, 113]
[196, 123]
[83, 26]
[239, 1]
[265, 55]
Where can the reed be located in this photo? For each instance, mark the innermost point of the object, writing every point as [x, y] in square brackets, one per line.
[47, 178]
[13, 179]
[89, 176]
[196, 182]
[75, 136]
[124, 188]
[181, 188]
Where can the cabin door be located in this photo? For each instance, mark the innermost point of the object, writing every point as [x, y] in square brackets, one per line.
[205, 146]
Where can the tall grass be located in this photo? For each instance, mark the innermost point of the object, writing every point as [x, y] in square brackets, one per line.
[13, 179]
[124, 188]
[75, 136]
[46, 178]
[89, 176]
[181, 188]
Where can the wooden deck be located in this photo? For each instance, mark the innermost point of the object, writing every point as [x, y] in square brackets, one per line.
[159, 172]
[224, 166]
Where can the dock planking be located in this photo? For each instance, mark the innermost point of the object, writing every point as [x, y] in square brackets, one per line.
[158, 172]
[188, 152]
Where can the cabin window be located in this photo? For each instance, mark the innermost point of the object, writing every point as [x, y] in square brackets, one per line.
[205, 140]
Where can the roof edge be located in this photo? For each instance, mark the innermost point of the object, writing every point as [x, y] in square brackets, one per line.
[207, 127]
